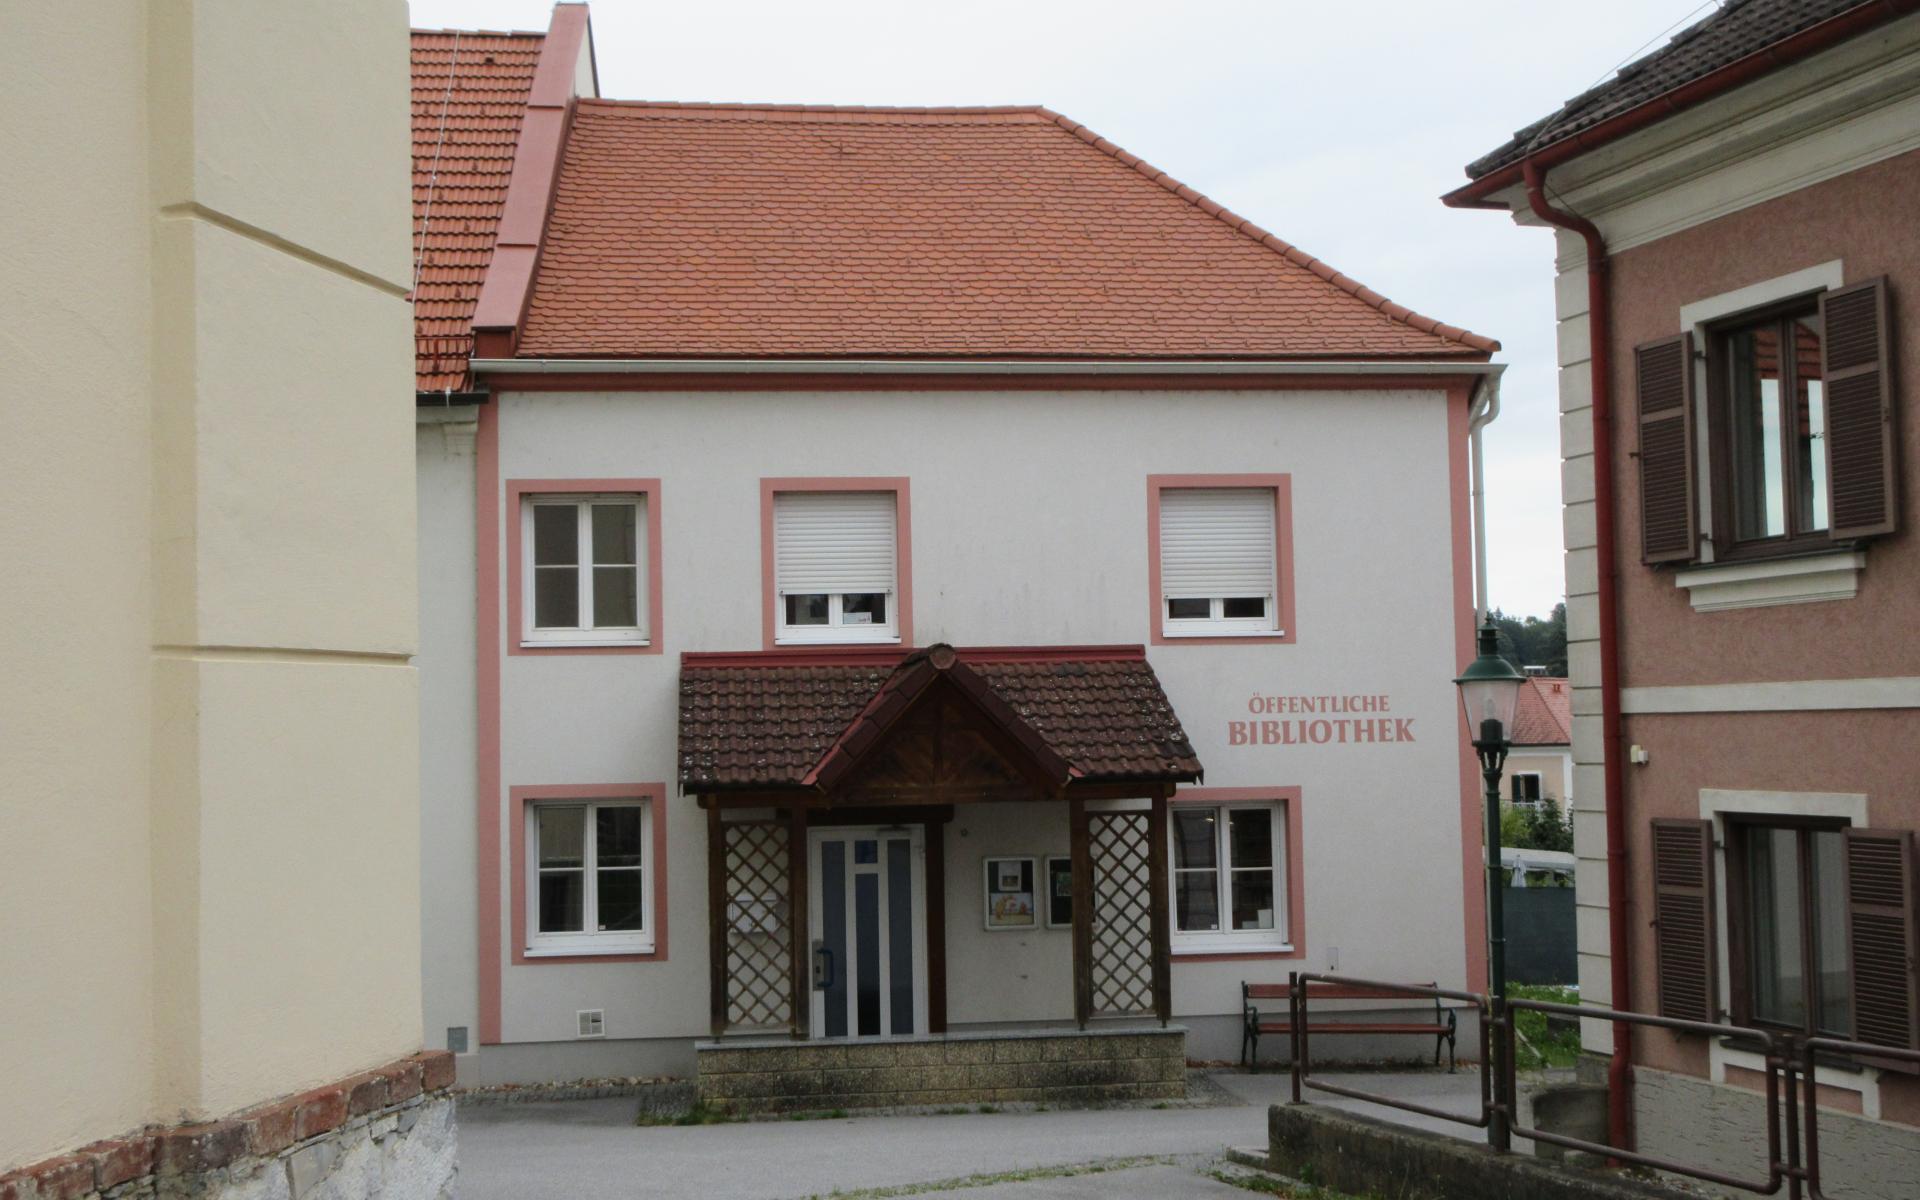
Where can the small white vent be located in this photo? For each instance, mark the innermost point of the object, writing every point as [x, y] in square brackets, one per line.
[593, 1022]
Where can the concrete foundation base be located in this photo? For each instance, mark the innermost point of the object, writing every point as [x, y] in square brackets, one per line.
[1366, 1157]
[1692, 1120]
[1043, 1066]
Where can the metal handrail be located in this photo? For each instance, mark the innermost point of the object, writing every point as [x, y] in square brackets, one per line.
[1778, 1064]
[1791, 1084]
[1297, 997]
[1811, 1047]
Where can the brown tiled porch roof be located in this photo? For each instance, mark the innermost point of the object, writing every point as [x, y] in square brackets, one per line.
[783, 719]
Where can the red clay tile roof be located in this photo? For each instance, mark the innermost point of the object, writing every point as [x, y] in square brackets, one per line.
[469, 93]
[1544, 716]
[773, 720]
[789, 231]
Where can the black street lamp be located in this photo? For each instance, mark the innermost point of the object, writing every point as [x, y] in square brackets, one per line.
[1489, 692]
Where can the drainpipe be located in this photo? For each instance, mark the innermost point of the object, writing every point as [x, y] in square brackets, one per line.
[1486, 407]
[1600, 345]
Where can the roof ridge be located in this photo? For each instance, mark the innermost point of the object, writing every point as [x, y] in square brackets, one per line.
[923, 110]
[1287, 250]
[498, 33]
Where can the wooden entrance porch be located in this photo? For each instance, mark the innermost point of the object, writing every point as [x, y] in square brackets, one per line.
[893, 749]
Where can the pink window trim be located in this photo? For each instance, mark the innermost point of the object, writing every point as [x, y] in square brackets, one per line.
[902, 531]
[1282, 486]
[517, 491]
[655, 796]
[1289, 800]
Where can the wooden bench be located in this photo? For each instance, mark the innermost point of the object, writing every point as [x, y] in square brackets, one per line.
[1441, 1029]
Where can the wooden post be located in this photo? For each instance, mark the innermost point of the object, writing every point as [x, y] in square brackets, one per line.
[799, 963]
[1080, 850]
[1157, 905]
[716, 918]
[936, 882]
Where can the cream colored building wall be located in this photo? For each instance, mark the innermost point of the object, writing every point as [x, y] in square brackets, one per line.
[210, 795]
[76, 950]
[1554, 766]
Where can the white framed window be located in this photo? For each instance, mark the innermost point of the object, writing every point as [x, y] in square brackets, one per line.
[583, 579]
[1525, 787]
[590, 886]
[836, 568]
[1218, 569]
[1229, 876]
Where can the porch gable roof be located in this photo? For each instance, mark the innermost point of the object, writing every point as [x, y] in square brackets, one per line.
[785, 720]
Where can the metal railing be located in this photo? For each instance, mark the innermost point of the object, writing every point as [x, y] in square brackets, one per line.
[1792, 1132]
[1298, 1041]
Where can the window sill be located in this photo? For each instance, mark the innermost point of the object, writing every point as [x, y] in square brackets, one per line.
[1221, 633]
[1262, 950]
[1806, 579]
[839, 638]
[585, 644]
[596, 950]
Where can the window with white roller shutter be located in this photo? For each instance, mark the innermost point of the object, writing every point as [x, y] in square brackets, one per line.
[1217, 561]
[836, 574]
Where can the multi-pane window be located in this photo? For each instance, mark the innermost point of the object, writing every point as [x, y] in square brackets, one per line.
[583, 575]
[1228, 883]
[1789, 907]
[1218, 561]
[836, 569]
[1526, 787]
[1771, 425]
[590, 886]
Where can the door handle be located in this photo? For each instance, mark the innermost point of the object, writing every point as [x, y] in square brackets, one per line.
[823, 974]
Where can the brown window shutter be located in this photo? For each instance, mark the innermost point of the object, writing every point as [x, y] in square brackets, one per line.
[1885, 937]
[1855, 361]
[1663, 372]
[1683, 919]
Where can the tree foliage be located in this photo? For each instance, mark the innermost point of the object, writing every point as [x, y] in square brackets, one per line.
[1534, 641]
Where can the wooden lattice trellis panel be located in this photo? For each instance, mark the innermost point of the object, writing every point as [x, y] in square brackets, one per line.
[1122, 911]
[758, 926]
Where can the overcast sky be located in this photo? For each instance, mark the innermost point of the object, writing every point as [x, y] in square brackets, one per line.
[1336, 126]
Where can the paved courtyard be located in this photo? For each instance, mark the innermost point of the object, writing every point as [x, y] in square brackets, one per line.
[592, 1148]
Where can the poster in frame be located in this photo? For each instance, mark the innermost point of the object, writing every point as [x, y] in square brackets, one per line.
[1059, 892]
[1011, 899]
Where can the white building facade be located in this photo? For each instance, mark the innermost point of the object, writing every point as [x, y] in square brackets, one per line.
[676, 566]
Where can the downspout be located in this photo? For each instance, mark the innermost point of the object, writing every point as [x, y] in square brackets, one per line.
[1600, 346]
[1486, 407]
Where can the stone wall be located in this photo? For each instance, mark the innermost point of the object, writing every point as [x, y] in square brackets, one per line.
[1724, 1128]
[387, 1134]
[1051, 1067]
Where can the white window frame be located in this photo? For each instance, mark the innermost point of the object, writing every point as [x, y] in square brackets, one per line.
[590, 940]
[1216, 623]
[584, 634]
[1233, 940]
[835, 631]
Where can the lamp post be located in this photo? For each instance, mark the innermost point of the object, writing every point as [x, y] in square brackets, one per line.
[1489, 692]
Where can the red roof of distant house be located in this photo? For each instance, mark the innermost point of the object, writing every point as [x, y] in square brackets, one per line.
[778, 719]
[1545, 713]
[733, 231]
[469, 94]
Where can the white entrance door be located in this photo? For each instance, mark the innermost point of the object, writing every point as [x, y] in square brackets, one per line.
[867, 916]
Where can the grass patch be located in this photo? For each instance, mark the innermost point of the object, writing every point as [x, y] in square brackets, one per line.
[974, 1181]
[1268, 1185]
[1536, 1047]
[699, 1114]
